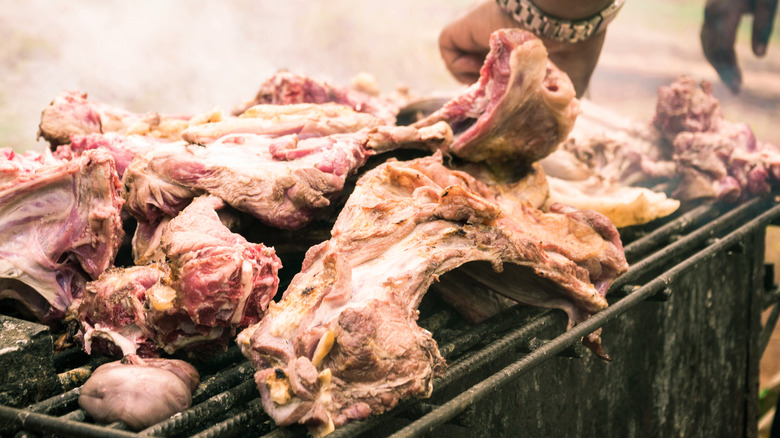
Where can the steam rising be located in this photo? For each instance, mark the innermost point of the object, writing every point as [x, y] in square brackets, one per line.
[185, 56]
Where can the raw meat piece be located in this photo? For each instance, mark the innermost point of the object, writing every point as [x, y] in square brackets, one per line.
[602, 165]
[687, 106]
[342, 343]
[286, 88]
[207, 282]
[521, 108]
[715, 158]
[139, 392]
[282, 181]
[306, 120]
[60, 225]
[122, 147]
[13, 164]
[72, 113]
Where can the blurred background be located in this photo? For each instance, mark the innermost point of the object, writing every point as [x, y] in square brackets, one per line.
[187, 56]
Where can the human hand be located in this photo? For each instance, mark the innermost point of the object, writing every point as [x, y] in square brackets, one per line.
[464, 42]
[719, 31]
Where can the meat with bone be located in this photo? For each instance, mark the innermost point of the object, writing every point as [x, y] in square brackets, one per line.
[207, 282]
[690, 150]
[285, 182]
[342, 343]
[122, 147]
[521, 108]
[60, 227]
[715, 158]
[72, 113]
[305, 120]
[138, 392]
[285, 88]
[602, 163]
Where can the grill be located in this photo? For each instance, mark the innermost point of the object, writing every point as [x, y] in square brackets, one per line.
[684, 329]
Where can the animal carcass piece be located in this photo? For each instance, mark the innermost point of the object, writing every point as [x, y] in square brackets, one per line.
[305, 120]
[285, 181]
[72, 113]
[521, 108]
[205, 282]
[60, 226]
[122, 147]
[602, 163]
[715, 158]
[285, 88]
[342, 343]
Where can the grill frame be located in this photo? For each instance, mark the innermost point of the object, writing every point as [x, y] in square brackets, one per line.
[515, 343]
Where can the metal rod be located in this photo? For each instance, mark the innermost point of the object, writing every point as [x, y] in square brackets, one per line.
[223, 381]
[60, 401]
[458, 404]
[18, 419]
[253, 414]
[660, 236]
[682, 246]
[195, 415]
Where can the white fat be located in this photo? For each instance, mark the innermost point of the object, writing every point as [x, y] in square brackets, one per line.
[246, 290]
[126, 345]
[181, 342]
[403, 257]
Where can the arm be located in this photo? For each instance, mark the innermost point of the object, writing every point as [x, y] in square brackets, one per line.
[721, 19]
[464, 42]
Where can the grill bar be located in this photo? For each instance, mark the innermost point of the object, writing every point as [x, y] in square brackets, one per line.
[684, 245]
[449, 410]
[19, 418]
[195, 415]
[661, 235]
[252, 415]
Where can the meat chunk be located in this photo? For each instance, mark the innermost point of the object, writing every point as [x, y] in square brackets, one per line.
[285, 88]
[72, 113]
[60, 226]
[138, 392]
[122, 147]
[715, 158]
[689, 150]
[343, 341]
[305, 120]
[285, 182]
[206, 282]
[521, 108]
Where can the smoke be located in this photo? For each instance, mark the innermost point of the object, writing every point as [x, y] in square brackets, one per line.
[185, 56]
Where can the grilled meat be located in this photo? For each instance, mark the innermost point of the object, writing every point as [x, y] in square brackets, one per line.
[343, 342]
[60, 226]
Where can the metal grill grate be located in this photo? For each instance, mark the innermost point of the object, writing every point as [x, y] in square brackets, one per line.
[227, 402]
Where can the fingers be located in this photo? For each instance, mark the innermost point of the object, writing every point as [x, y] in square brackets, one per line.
[718, 35]
[763, 19]
[465, 67]
[461, 55]
[464, 43]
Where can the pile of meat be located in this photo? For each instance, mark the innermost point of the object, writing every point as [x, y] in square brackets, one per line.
[203, 195]
[689, 151]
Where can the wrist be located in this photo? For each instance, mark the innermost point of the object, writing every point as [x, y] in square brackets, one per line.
[561, 20]
[571, 10]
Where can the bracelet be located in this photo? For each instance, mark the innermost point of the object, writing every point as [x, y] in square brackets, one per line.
[531, 18]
